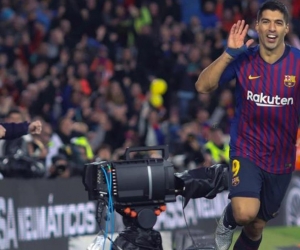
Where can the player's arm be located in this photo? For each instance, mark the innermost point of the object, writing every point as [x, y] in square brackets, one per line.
[209, 78]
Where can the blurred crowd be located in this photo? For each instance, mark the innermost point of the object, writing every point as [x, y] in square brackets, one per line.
[84, 68]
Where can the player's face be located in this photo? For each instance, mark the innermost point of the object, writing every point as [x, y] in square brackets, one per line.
[271, 29]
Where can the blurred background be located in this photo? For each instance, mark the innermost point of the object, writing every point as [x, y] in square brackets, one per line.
[104, 75]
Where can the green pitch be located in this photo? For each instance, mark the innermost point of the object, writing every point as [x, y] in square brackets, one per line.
[276, 237]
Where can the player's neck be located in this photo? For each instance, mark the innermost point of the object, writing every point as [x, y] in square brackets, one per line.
[272, 56]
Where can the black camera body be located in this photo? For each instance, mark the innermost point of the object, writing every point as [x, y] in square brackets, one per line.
[138, 188]
[133, 182]
[151, 181]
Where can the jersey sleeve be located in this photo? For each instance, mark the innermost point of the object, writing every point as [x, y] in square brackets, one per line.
[15, 130]
[228, 74]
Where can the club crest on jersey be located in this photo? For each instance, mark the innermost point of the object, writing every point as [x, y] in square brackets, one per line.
[289, 81]
[235, 181]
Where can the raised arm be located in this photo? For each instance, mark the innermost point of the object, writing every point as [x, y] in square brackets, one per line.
[11, 131]
[209, 78]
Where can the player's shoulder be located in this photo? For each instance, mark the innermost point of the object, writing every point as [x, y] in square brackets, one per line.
[295, 51]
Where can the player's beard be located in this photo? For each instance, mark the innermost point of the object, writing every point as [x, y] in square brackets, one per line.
[271, 45]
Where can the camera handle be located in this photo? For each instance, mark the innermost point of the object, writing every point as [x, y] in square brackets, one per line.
[163, 148]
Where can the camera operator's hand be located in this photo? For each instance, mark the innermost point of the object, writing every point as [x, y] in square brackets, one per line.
[35, 127]
[2, 131]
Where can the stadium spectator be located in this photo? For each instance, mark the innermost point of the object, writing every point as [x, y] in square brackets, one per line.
[217, 147]
[18, 140]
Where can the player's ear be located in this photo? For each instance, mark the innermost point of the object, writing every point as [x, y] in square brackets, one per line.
[287, 28]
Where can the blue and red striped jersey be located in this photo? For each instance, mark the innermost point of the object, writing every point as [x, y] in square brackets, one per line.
[267, 96]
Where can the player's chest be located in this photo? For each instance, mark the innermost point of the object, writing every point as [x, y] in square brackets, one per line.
[273, 80]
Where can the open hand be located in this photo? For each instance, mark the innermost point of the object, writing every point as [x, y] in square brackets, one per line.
[237, 35]
[35, 127]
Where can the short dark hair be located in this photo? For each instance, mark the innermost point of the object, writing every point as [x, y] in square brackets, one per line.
[12, 112]
[274, 5]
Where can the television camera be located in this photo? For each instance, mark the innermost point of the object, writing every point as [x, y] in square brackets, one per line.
[138, 189]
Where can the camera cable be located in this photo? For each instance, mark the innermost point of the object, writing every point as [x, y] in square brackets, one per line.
[110, 217]
[187, 227]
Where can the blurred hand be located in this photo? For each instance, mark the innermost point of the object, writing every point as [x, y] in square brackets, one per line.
[145, 111]
[195, 145]
[61, 11]
[80, 127]
[237, 35]
[70, 113]
[2, 131]
[84, 13]
[35, 127]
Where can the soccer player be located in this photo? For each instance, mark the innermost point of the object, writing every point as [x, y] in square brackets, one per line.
[263, 131]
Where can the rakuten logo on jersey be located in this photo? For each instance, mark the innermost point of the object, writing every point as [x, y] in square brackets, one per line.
[269, 101]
